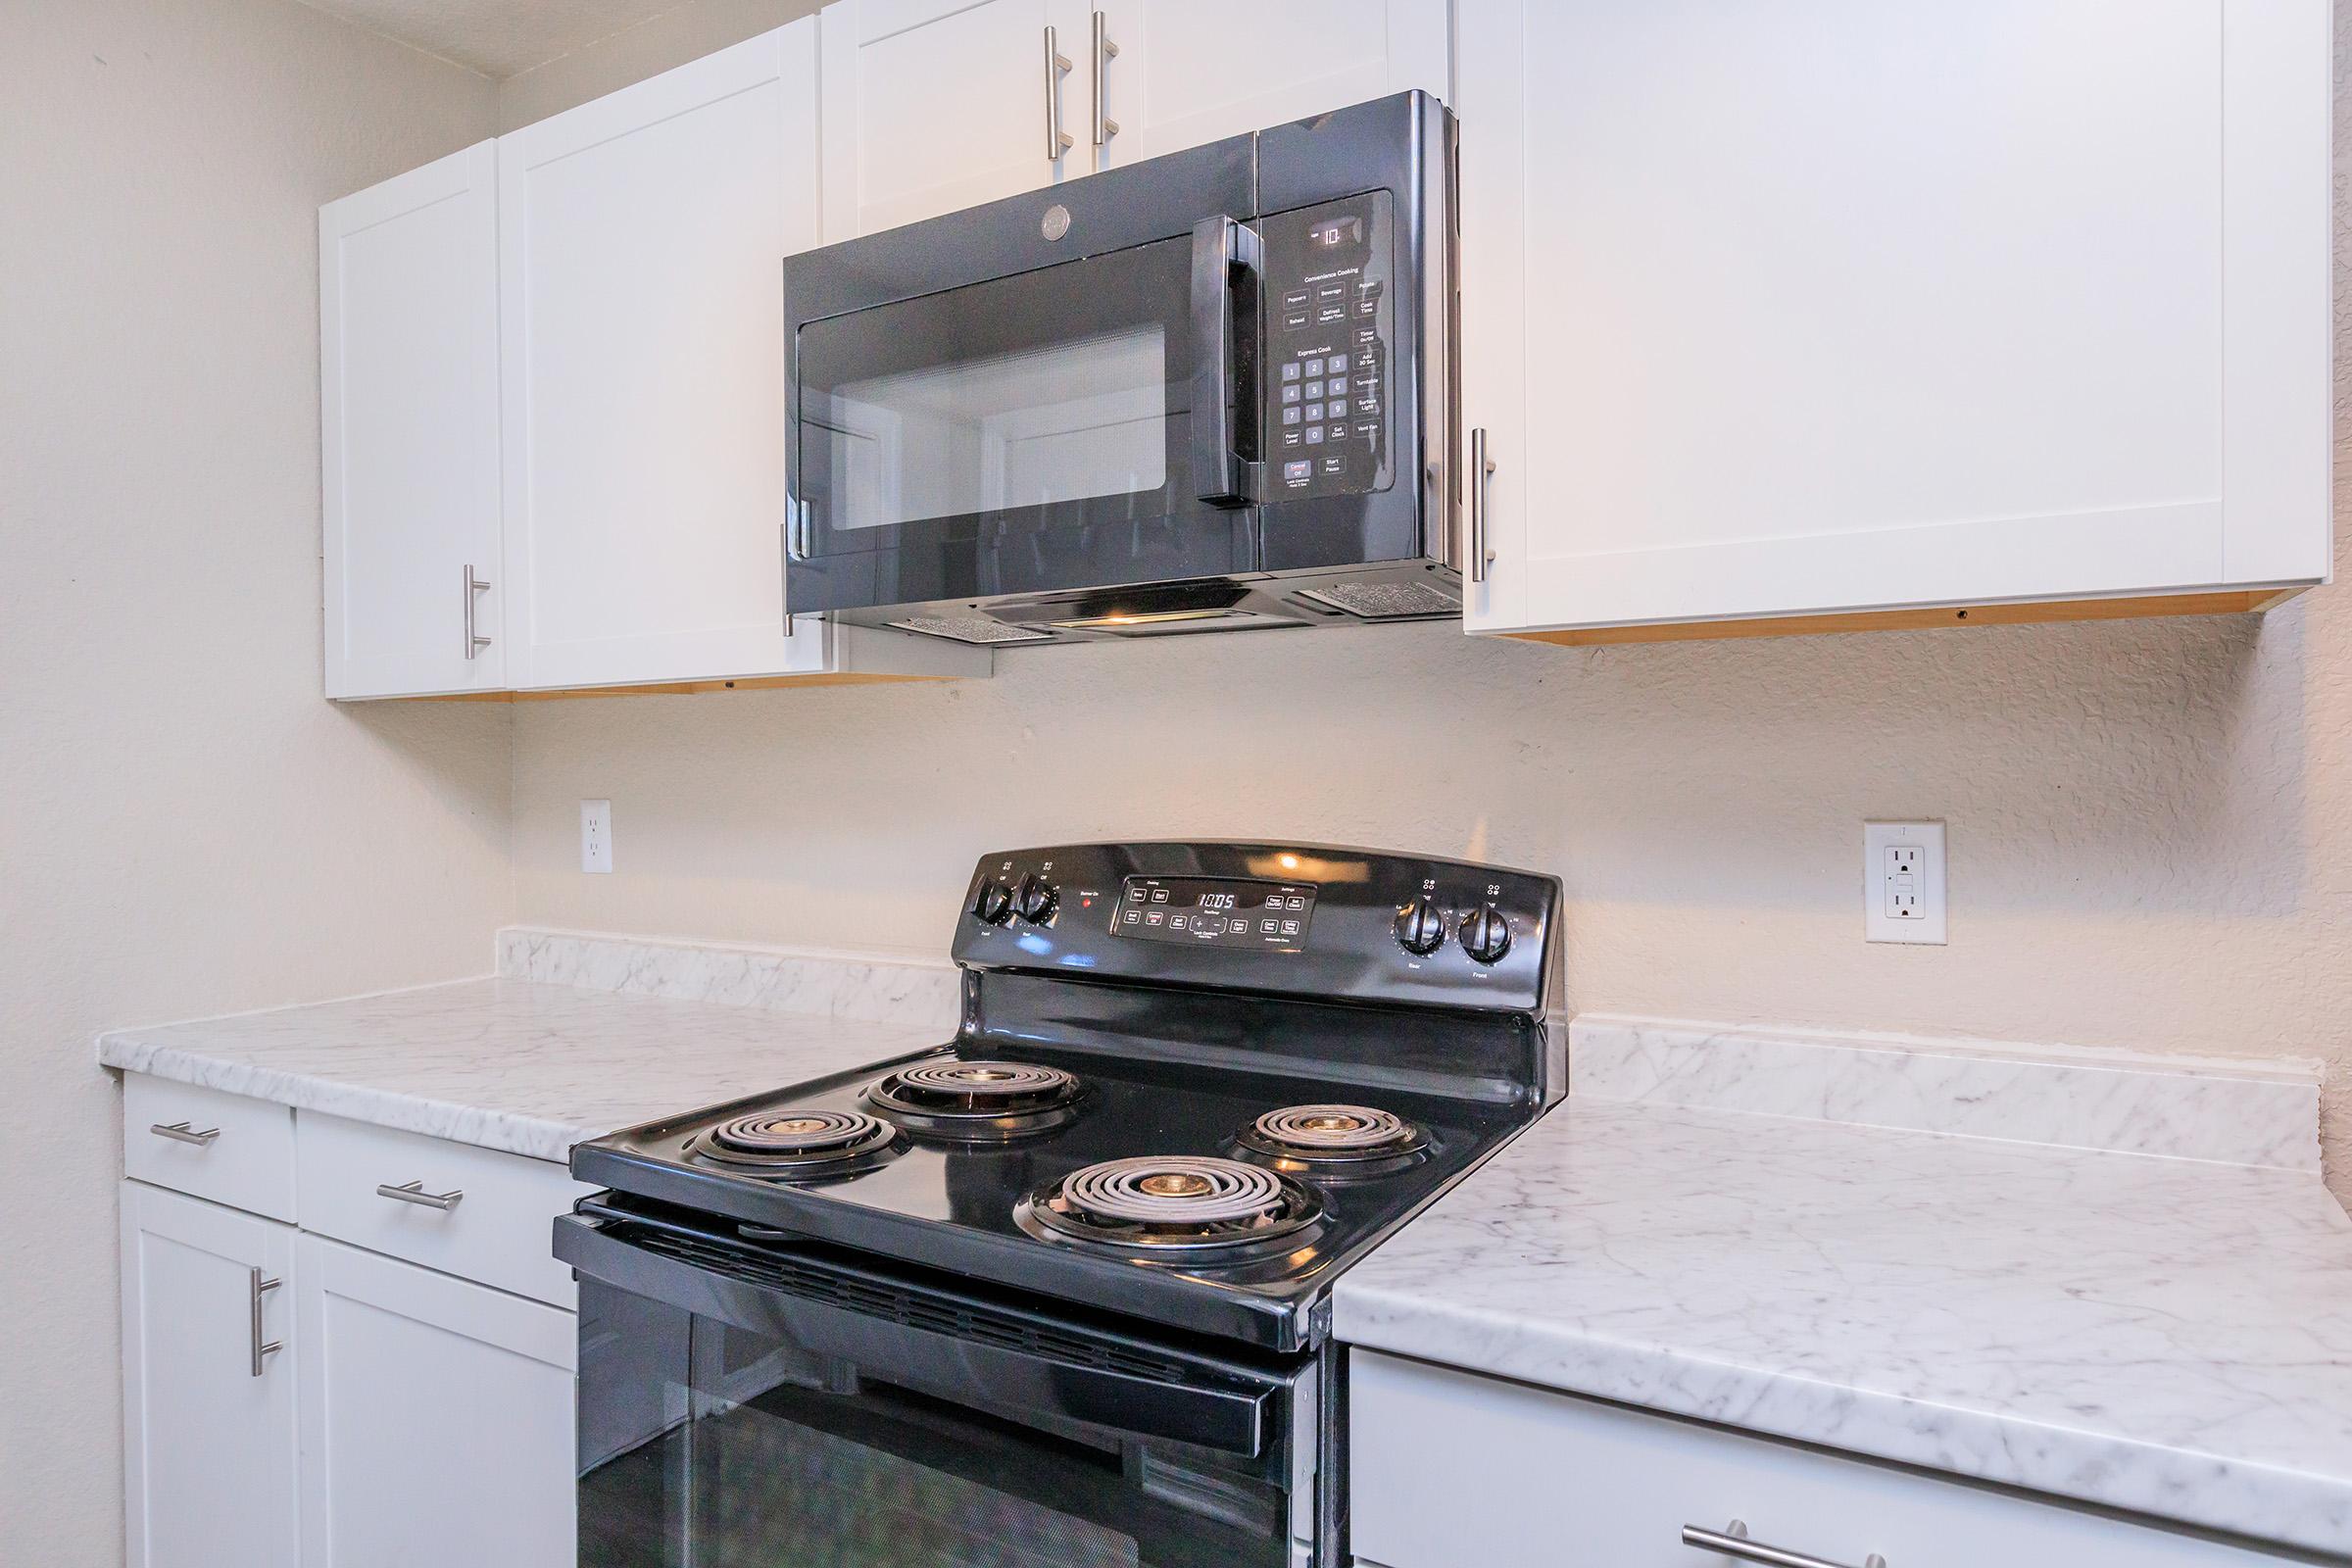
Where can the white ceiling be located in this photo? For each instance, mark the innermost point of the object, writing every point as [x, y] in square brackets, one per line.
[497, 38]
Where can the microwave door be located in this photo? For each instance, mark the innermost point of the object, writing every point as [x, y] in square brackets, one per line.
[1024, 435]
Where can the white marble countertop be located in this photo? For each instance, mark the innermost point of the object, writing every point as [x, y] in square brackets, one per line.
[2168, 1336]
[516, 1066]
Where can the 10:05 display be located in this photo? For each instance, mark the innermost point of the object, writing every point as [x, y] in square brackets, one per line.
[1220, 911]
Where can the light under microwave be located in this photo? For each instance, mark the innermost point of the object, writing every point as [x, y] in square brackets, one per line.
[1207, 392]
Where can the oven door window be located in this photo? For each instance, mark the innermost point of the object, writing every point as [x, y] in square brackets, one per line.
[998, 437]
[705, 1444]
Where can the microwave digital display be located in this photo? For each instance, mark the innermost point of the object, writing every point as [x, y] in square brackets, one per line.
[1214, 912]
[1338, 232]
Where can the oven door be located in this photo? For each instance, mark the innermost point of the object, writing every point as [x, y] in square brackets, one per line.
[773, 1404]
[1084, 424]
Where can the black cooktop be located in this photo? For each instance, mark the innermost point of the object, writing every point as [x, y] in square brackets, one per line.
[1196, 1130]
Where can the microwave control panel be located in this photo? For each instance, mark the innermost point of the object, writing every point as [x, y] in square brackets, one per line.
[1329, 322]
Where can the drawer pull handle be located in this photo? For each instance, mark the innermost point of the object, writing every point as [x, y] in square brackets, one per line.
[415, 1193]
[1732, 1541]
[261, 1348]
[181, 1132]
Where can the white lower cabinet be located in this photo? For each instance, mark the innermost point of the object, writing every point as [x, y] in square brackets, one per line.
[208, 1380]
[436, 1418]
[290, 1399]
[1448, 1468]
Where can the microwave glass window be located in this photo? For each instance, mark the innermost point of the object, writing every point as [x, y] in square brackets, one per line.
[1050, 407]
[1068, 421]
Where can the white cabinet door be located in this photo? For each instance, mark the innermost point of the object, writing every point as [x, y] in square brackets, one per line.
[408, 329]
[208, 1408]
[1827, 306]
[1190, 72]
[935, 105]
[641, 244]
[436, 1418]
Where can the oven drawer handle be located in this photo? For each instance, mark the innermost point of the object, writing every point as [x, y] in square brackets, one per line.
[1224, 254]
[986, 1375]
[1732, 1541]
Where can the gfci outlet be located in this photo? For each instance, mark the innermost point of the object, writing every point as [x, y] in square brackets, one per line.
[1902, 882]
[596, 835]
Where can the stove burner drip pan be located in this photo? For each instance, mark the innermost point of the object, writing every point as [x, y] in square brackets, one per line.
[800, 1144]
[1333, 1141]
[1182, 1207]
[977, 1100]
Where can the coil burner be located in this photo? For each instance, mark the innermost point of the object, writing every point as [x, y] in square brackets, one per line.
[977, 1100]
[800, 1145]
[1180, 1207]
[1335, 1142]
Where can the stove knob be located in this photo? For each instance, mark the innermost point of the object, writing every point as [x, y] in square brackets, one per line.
[1485, 935]
[1036, 899]
[995, 902]
[1420, 929]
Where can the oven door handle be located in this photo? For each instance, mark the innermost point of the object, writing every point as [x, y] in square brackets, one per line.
[982, 1374]
[1226, 263]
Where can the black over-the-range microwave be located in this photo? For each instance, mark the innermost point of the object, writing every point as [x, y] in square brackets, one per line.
[1207, 392]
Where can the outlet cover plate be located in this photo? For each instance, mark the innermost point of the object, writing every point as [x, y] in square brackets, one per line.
[1903, 882]
[596, 836]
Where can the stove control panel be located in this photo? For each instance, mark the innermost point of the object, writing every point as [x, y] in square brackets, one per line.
[1271, 916]
[1329, 322]
[1295, 919]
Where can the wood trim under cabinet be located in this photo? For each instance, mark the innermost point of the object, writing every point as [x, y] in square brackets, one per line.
[676, 688]
[2234, 602]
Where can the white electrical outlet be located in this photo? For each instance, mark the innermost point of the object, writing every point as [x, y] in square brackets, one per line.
[1902, 882]
[596, 835]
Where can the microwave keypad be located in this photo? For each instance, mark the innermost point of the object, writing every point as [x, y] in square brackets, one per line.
[1327, 361]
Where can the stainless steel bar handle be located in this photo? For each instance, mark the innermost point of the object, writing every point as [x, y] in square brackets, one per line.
[1105, 52]
[475, 587]
[415, 1193]
[1482, 469]
[1732, 1541]
[181, 1132]
[1057, 66]
[261, 1348]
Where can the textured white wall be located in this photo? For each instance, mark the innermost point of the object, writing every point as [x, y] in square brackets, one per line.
[185, 826]
[2150, 824]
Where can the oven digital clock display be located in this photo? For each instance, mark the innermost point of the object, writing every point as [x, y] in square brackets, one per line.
[1214, 912]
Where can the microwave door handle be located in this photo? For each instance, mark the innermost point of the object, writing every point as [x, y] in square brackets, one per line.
[978, 1374]
[1226, 257]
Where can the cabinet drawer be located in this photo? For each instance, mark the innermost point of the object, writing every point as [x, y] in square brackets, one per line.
[495, 1231]
[229, 1149]
[1447, 1468]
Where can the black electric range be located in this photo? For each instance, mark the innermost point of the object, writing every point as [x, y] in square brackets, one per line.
[1192, 1082]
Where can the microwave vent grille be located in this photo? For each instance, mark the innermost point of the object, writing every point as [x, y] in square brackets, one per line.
[970, 630]
[1386, 601]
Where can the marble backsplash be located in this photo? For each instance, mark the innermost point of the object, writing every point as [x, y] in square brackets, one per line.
[867, 989]
[2250, 1112]
[2241, 1113]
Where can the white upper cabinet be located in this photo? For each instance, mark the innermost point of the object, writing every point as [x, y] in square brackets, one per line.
[1189, 71]
[407, 326]
[935, 105]
[1827, 305]
[641, 242]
